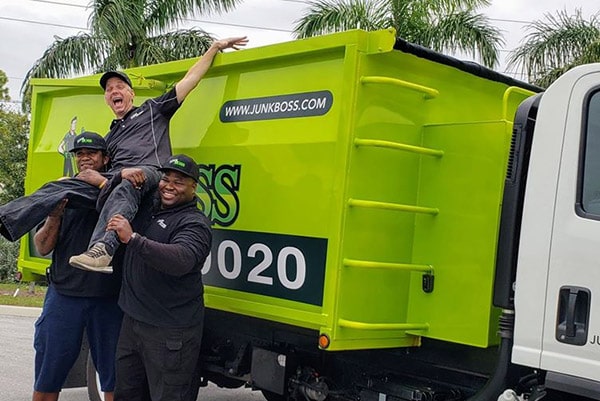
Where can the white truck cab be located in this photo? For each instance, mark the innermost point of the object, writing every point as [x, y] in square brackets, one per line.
[557, 327]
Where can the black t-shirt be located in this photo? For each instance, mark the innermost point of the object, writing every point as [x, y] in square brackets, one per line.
[162, 279]
[142, 136]
[75, 232]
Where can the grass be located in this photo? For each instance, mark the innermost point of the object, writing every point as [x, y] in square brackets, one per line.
[19, 294]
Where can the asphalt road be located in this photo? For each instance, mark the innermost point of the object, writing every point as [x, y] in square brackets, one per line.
[16, 363]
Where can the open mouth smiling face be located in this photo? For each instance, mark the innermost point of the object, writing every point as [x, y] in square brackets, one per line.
[117, 101]
[118, 96]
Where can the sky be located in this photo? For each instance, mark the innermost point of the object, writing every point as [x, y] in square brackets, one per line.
[28, 27]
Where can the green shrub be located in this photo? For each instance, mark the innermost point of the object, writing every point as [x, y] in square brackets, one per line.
[9, 253]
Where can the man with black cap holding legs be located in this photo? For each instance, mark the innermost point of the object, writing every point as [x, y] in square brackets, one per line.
[162, 292]
[75, 300]
[21, 215]
[139, 136]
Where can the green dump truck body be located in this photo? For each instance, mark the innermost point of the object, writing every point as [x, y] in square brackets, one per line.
[354, 188]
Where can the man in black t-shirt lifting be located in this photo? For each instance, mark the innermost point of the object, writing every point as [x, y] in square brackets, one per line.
[75, 300]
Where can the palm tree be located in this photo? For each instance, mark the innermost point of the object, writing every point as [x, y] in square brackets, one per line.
[127, 33]
[557, 44]
[443, 25]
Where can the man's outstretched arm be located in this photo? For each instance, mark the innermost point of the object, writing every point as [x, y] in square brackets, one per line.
[197, 71]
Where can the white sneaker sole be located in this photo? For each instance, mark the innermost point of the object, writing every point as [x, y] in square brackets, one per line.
[97, 269]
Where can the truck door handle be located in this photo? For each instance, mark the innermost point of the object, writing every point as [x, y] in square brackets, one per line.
[573, 315]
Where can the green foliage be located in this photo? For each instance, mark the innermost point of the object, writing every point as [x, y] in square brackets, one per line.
[556, 44]
[9, 253]
[124, 34]
[14, 129]
[442, 25]
[3, 89]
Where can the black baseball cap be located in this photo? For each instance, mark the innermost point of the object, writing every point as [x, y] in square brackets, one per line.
[88, 140]
[183, 164]
[114, 74]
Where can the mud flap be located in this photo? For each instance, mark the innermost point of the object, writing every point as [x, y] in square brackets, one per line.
[269, 370]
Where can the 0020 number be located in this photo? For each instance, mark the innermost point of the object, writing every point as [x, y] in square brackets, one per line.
[230, 262]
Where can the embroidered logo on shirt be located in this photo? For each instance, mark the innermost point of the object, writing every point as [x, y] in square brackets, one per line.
[137, 114]
[161, 222]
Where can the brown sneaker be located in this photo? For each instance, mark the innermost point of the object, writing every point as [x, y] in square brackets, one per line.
[95, 259]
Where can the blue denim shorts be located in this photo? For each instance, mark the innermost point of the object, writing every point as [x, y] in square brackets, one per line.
[59, 332]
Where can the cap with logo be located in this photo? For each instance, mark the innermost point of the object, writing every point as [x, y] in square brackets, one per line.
[88, 140]
[114, 74]
[183, 164]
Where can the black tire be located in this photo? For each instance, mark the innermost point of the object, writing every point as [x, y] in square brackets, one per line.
[93, 384]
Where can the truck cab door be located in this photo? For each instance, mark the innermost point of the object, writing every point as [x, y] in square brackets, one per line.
[571, 324]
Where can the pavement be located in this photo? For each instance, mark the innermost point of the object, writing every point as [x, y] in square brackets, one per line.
[20, 311]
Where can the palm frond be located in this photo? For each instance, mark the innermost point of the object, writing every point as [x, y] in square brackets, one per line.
[174, 46]
[118, 21]
[546, 77]
[466, 32]
[70, 56]
[555, 42]
[115, 59]
[165, 14]
[443, 6]
[591, 54]
[325, 16]
[409, 18]
[444, 25]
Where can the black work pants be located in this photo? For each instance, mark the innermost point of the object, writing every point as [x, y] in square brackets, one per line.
[156, 363]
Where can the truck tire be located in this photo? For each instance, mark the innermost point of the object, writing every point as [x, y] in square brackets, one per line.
[93, 381]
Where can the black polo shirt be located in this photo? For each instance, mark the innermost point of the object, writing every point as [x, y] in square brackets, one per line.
[75, 232]
[162, 279]
[142, 136]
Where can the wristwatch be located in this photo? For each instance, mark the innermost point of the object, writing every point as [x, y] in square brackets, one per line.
[133, 235]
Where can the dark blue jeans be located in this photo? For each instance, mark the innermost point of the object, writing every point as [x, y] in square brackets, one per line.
[58, 334]
[124, 200]
[22, 215]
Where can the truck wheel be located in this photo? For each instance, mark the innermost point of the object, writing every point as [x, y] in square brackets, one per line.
[93, 381]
